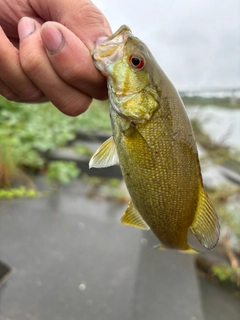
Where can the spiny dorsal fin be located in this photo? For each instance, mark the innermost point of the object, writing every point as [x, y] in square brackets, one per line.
[132, 218]
[205, 225]
[105, 156]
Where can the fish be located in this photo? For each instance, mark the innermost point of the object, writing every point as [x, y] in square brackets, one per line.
[154, 144]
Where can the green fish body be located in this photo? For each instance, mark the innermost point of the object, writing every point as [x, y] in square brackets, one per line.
[154, 143]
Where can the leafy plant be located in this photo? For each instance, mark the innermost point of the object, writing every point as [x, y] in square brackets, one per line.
[106, 188]
[62, 171]
[27, 131]
[226, 273]
[223, 272]
[21, 192]
[83, 150]
[8, 167]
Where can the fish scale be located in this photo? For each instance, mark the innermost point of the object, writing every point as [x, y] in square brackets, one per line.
[154, 143]
[166, 182]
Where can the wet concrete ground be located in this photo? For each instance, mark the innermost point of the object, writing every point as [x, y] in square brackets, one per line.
[71, 259]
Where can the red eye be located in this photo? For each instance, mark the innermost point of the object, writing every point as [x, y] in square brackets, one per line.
[136, 61]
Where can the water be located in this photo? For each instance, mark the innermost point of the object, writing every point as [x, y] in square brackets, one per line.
[223, 125]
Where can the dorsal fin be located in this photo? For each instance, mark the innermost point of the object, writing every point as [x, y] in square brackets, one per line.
[132, 218]
[105, 156]
[205, 225]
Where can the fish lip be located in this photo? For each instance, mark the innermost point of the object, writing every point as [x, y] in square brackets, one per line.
[111, 47]
[122, 30]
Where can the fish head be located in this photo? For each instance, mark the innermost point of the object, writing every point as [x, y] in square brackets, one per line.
[129, 67]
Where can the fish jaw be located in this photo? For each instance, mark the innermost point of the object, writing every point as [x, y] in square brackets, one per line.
[110, 50]
[131, 91]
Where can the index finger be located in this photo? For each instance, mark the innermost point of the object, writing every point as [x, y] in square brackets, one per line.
[72, 60]
[83, 18]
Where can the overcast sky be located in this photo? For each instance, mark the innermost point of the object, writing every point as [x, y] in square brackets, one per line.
[196, 42]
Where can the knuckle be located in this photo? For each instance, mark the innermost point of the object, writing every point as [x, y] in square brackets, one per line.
[91, 15]
[7, 93]
[74, 107]
[32, 96]
[11, 96]
[75, 71]
[30, 63]
[24, 95]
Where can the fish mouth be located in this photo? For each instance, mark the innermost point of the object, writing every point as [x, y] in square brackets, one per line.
[110, 49]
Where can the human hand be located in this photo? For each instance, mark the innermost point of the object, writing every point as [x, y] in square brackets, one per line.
[53, 59]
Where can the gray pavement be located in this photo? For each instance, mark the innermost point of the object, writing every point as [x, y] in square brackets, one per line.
[72, 259]
[219, 303]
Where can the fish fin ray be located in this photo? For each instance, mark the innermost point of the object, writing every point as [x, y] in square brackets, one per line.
[105, 156]
[152, 149]
[132, 218]
[160, 247]
[189, 249]
[145, 140]
[205, 225]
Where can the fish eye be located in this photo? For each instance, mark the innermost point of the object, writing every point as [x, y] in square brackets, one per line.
[137, 61]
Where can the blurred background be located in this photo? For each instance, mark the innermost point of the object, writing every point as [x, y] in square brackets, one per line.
[195, 42]
[63, 251]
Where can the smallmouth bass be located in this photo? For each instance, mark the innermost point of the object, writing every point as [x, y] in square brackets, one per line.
[154, 143]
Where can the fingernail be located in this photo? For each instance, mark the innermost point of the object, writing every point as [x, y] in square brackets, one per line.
[52, 38]
[26, 27]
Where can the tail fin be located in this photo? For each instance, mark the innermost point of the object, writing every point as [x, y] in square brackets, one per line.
[189, 249]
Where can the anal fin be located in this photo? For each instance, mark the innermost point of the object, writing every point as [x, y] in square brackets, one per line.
[205, 225]
[132, 218]
[105, 156]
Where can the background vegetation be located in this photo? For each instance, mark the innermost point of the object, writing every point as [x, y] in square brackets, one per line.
[29, 131]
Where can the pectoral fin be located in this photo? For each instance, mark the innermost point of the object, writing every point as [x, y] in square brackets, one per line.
[205, 225]
[105, 156]
[132, 218]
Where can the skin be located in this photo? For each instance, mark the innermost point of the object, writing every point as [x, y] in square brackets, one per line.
[47, 56]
